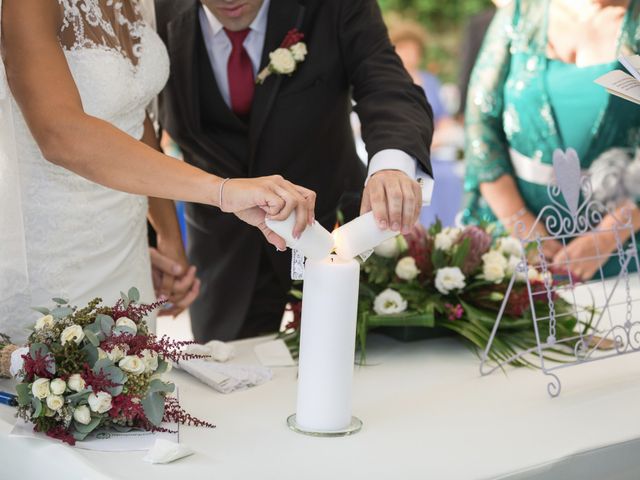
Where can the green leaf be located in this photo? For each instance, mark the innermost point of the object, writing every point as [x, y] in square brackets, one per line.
[438, 259]
[91, 353]
[106, 323]
[60, 301]
[158, 385]
[460, 253]
[24, 394]
[134, 294]
[162, 367]
[42, 310]
[62, 312]
[80, 396]
[89, 427]
[295, 293]
[38, 348]
[36, 403]
[92, 337]
[113, 373]
[153, 405]
[125, 299]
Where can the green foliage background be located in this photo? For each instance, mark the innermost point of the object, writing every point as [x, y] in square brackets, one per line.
[444, 21]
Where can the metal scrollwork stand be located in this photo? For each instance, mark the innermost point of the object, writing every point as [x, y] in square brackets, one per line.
[572, 213]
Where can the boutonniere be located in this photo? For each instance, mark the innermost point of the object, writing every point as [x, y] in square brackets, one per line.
[285, 59]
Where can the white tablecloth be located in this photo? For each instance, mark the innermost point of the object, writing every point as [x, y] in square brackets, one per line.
[427, 415]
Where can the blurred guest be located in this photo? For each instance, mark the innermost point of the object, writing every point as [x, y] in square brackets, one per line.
[532, 92]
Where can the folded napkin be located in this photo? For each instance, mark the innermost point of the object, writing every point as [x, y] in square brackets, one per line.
[166, 451]
[223, 377]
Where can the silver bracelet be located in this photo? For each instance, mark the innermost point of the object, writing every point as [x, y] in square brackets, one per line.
[515, 217]
[222, 190]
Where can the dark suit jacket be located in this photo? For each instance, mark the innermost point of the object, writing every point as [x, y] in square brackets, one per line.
[299, 127]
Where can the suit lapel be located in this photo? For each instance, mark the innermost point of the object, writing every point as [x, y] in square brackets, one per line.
[283, 16]
[181, 38]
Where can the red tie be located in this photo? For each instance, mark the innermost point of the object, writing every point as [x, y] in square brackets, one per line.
[240, 74]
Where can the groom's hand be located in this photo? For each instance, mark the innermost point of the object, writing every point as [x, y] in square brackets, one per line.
[394, 198]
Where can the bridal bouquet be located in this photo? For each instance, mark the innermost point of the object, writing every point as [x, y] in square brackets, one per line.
[454, 280]
[98, 367]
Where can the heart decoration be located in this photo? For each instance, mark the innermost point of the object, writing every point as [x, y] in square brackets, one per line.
[566, 167]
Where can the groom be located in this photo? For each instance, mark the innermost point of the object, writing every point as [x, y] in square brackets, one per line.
[295, 125]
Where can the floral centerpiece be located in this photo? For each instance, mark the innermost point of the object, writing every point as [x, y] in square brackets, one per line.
[453, 280]
[98, 367]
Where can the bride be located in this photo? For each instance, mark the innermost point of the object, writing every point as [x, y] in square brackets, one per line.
[79, 157]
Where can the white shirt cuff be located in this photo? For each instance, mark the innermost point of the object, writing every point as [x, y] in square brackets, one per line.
[393, 159]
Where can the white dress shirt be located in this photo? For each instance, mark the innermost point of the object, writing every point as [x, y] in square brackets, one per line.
[219, 49]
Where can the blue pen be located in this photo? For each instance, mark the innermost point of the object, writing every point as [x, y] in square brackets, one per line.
[8, 399]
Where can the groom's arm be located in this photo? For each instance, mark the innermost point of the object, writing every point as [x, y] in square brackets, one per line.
[397, 121]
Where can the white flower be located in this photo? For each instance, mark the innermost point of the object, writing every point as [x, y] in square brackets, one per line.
[72, 333]
[534, 275]
[150, 360]
[132, 364]
[406, 269]
[17, 362]
[57, 386]
[388, 249]
[102, 354]
[449, 279]
[127, 322]
[494, 266]
[512, 264]
[447, 238]
[282, 61]
[299, 51]
[389, 302]
[116, 354]
[82, 415]
[100, 403]
[76, 382]
[45, 322]
[510, 246]
[55, 402]
[40, 388]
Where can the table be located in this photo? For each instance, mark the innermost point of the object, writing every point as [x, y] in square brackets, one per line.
[427, 415]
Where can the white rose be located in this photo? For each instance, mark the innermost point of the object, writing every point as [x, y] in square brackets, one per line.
[100, 403]
[447, 238]
[534, 275]
[55, 402]
[150, 360]
[76, 382]
[406, 269]
[494, 266]
[45, 322]
[102, 354]
[116, 354]
[512, 265]
[72, 333]
[132, 364]
[127, 322]
[40, 388]
[510, 246]
[282, 61]
[299, 51]
[82, 415]
[57, 386]
[449, 279]
[389, 302]
[388, 249]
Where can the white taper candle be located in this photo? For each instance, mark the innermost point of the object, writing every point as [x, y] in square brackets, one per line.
[327, 344]
[359, 236]
[314, 243]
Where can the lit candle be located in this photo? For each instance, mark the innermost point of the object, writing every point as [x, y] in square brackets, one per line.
[314, 243]
[327, 344]
[359, 236]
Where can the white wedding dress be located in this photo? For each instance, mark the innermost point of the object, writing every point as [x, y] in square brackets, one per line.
[80, 240]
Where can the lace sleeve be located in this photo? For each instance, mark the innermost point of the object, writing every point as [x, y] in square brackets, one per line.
[487, 152]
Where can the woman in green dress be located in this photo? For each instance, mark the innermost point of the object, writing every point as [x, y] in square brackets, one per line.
[532, 91]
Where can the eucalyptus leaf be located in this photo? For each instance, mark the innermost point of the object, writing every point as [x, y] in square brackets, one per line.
[92, 337]
[106, 323]
[125, 299]
[157, 385]
[162, 367]
[153, 405]
[24, 394]
[38, 348]
[61, 312]
[134, 294]
[78, 397]
[42, 310]
[36, 403]
[60, 301]
[89, 427]
[79, 436]
[91, 353]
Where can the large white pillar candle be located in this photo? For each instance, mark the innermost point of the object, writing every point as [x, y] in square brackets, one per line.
[315, 242]
[327, 344]
[359, 236]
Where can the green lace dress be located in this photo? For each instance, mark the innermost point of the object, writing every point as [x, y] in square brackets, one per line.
[523, 105]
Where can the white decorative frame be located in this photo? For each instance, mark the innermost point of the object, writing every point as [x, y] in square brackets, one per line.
[564, 221]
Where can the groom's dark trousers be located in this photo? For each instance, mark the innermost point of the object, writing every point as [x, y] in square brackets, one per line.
[298, 127]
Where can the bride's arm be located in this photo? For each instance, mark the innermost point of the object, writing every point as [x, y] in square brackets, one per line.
[44, 88]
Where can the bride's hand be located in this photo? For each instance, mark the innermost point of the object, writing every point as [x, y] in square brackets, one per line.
[273, 197]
